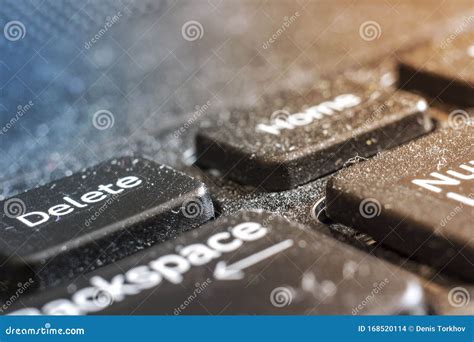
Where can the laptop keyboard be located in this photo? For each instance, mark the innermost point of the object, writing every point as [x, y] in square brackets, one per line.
[248, 263]
[347, 196]
[109, 211]
[309, 135]
[425, 210]
[443, 71]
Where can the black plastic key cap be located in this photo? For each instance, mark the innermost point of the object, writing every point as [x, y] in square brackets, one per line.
[441, 69]
[290, 139]
[95, 217]
[418, 199]
[248, 263]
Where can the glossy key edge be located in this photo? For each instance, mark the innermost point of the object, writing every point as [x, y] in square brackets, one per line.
[345, 208]
[274, 174]
[412, 300]
[434, 85]
[10, 277]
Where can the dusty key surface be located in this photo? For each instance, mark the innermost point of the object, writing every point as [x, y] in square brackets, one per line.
[109, 210]
[418, 199]
[292, 138]
[443, 69]
[249, 263]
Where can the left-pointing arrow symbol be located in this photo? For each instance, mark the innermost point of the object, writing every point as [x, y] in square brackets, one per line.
[234, 271]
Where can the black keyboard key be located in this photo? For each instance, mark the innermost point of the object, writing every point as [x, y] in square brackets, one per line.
[441, 69]
[95, 217]
[290, 139]
[249, 263]
[418, 199]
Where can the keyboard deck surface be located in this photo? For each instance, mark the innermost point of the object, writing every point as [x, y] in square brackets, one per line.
[164, 70]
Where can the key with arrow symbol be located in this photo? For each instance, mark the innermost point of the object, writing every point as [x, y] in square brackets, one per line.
[235, 270]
